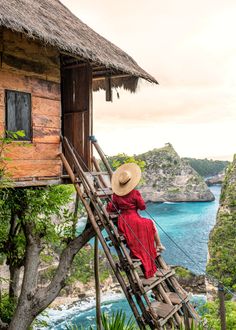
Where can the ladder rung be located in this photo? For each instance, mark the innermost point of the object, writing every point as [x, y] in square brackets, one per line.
[150, 283]
[161, 309]
[136, 263]
[98, 173]
[176, 298]
[104, 192]
[113, 215]
[122, 238]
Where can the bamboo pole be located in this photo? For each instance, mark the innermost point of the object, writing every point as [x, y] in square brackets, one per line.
[97, 284]
[103, 158]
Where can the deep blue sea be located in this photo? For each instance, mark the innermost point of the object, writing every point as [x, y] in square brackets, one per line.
[184, 227]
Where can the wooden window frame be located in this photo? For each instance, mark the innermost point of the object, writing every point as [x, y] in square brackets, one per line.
[26, 138]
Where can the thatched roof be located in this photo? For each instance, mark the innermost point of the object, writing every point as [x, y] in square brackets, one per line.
[52, 23]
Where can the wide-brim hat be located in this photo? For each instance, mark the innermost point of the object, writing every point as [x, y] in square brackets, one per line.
[125, 178]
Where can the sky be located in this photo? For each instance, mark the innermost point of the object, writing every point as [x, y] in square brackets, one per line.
[190, 48]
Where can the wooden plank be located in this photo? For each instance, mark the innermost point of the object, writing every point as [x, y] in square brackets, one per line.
[35, 86]
[45, 89]
[36, 183]
[30, 57]
[154, 281]
[151, 280]
[161, 309]
[2, 96]
[176, 298]
[46, 135]
[36, 151]
[48, 121]
[34, 168]
[77, 109]
[45, 107]
[2, 128]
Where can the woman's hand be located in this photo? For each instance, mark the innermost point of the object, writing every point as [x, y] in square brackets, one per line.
[160, 248]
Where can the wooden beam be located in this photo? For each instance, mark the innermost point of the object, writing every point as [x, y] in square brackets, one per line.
[73, 66]
[108, 87]
[113, 76]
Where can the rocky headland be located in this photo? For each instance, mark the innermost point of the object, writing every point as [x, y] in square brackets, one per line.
[168, 178]
[216, 179]
[222, 242]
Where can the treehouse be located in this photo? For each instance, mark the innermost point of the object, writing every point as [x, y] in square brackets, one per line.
[51, 62]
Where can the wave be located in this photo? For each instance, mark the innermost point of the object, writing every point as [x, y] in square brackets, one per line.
[171, 202]
[61, 315]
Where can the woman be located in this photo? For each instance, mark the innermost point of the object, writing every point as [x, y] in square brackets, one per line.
[140, 233]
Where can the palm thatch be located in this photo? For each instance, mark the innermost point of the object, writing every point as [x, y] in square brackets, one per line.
[52, 23]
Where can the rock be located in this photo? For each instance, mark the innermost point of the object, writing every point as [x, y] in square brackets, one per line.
[216, 179]
[189, 281]
[81, 295]
[168, 178]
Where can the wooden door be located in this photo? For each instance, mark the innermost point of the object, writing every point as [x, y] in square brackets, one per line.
[77, 110]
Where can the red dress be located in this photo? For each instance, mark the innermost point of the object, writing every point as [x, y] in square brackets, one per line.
[139, 232]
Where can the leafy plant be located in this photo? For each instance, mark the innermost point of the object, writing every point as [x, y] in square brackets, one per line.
[122, 158]
[7, 307]
[210, 311]
[5, 176]
[118, 322]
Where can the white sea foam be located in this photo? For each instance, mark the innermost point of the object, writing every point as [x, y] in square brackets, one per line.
[64, 312]
[171, 202]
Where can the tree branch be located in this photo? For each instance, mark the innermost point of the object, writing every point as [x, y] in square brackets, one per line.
[47, 295]
[3, 326]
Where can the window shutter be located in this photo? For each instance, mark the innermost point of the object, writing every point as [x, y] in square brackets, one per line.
[18, 113]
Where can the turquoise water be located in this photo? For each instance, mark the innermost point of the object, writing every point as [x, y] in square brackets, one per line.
[188, 224]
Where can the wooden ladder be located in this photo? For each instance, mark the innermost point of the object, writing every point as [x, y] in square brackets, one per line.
[158, 302]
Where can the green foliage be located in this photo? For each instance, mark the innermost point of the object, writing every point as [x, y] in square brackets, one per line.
[5, 180]
[122, 158]
[118, 322]
[183, 272]
[210, 311]
[222, 244]
[83, 268]
[194, 327]
[207, 167]
[228, 193]
[7, 307]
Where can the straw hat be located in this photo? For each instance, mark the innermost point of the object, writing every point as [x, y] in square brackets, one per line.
[125, 178]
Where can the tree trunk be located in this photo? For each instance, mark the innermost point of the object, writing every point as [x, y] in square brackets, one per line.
[32, 300]
[23, 315]
[14, 282]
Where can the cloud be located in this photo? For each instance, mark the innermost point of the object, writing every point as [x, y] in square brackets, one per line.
[190, 47]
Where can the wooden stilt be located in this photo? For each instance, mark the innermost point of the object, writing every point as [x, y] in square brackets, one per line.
[97, 284]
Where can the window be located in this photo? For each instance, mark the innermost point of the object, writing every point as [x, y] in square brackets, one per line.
[18, 113]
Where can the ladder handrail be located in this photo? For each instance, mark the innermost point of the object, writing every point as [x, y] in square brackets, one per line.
[148, 315]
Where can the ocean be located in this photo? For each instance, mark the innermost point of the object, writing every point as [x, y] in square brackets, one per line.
[184, 230]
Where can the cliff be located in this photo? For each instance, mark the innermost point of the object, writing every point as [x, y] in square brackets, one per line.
[222, 243]
[169, 178]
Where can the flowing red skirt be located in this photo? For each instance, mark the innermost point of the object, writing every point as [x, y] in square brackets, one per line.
[139, 233]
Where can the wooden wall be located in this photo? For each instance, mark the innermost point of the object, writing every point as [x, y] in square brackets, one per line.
[27, 66]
